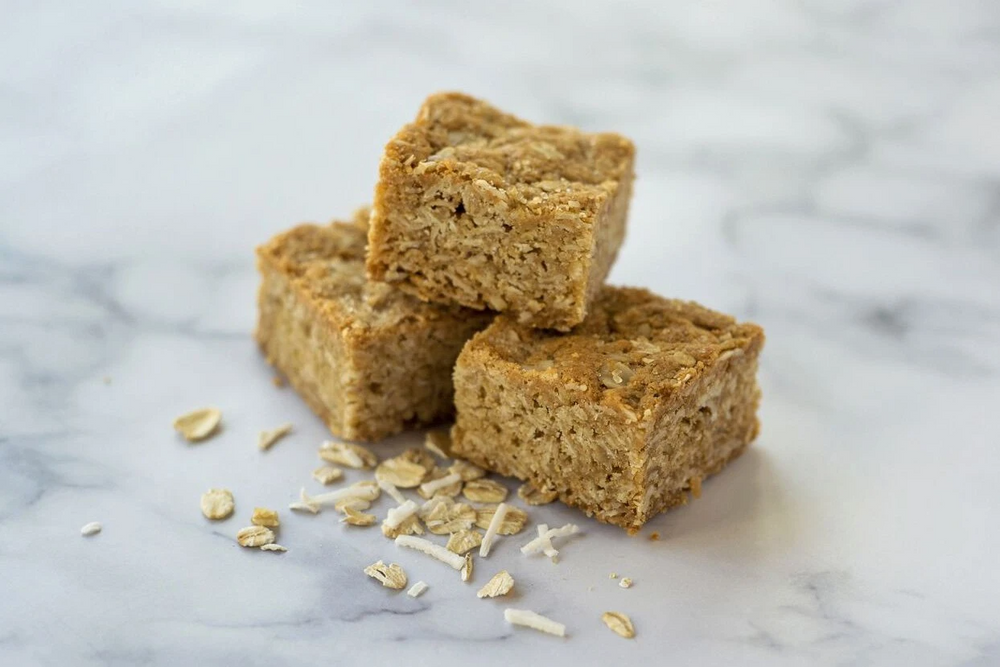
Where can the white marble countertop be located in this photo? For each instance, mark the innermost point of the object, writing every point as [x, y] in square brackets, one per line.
[828, 169]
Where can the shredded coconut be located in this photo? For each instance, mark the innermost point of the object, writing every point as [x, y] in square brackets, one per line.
[530, 619]
[433, 550]
[397, 515]
[417, 589]
[543, 543]
[491, 532]
[357, 491]
[434, 485]
[391, 489]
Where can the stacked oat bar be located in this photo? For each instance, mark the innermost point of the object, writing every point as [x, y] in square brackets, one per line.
[475, 286]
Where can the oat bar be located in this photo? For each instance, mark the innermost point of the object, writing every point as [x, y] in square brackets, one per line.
[477, 207]
[623, 416]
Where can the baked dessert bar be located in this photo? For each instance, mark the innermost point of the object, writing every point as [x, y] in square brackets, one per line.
[623, 416]
[368, 359]
[476, 207]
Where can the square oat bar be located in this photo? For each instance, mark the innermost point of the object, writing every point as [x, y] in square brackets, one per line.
[480, 208]
[624, 415]
[368, 359]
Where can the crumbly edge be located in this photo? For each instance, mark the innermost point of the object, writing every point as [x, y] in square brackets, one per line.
[399, 380]
[296, 342]
[701, 430]
[618, 471]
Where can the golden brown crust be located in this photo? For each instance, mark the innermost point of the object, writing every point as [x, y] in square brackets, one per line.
[543, 167]
[477, 207]
[633, 349]
[326, 263]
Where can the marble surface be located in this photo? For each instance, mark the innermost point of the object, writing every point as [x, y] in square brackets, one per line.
[828, 169]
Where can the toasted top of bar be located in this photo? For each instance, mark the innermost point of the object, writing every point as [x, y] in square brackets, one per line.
[327, 263]
[544, 167]
[633, 349]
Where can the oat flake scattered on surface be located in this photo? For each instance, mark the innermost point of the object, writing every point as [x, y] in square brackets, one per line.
[466, 470]
[513, 521]
[264, 517]
[255, 536]
[348, 455]
[419, 456]
[198, 424]
[217, 504]
[391, 576]
[499, 585]
[626, 582]
[354, 517]
[485, 491]
[464, 540]
[619, 623]
[267, 438]
[533, 496]
[327, 474]
[401, 473]
[273, 547]
[449, 517]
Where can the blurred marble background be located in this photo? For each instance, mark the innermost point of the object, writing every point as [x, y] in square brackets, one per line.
[830, 169]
